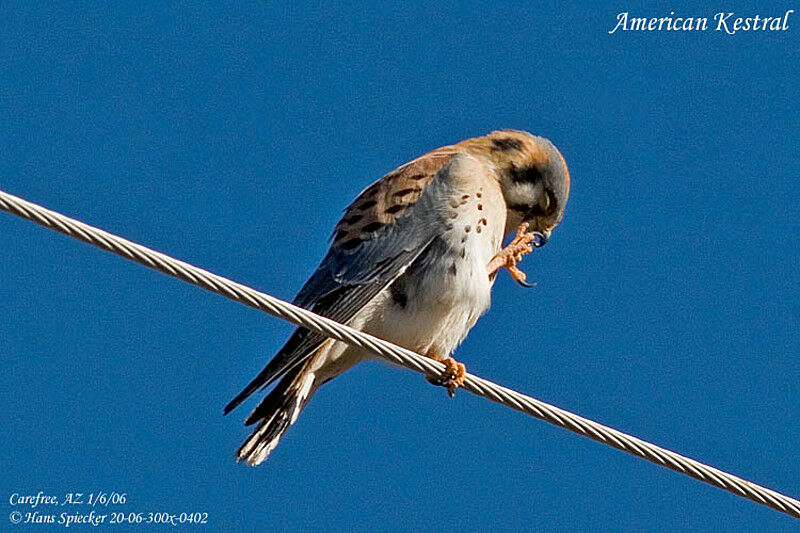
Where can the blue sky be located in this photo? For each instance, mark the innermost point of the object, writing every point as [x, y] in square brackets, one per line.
[232, 136]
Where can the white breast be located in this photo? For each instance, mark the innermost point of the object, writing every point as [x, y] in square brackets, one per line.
[433, 306]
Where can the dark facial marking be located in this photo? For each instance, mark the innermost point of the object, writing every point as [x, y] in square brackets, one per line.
[532, 174]
[507, 144]
[523, 208]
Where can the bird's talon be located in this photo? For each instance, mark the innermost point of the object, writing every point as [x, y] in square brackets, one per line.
[520, 277]
[522, 244]
[452, 377]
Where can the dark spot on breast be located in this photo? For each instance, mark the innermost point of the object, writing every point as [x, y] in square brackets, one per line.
[467, 228]
[395, 209]
[463, 253]
[479, 195]
[398, 293]
[351, 243]
[465, 197]
[478, 229]
[480, 207]
[453, 270]
[403, 192]
[507, 144]
[373, 226]
[464, 238]
[353, 219]
[482, 221]
[366, 205]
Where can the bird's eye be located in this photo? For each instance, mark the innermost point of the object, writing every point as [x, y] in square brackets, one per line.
[547, 203]
[552, 204]
[544, 202]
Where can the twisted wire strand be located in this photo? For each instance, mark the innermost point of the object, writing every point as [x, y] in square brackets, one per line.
[396, 354]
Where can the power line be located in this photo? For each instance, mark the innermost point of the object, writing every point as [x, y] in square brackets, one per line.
[396, 354]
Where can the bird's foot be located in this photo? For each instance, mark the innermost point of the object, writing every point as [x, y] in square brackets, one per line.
[452, 377]
[512, 254]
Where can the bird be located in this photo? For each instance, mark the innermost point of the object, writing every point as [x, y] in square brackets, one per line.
[413, 261]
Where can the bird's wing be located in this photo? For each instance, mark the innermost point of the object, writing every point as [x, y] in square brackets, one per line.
[381, 233]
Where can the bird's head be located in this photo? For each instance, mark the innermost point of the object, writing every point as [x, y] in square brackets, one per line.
[533, 177]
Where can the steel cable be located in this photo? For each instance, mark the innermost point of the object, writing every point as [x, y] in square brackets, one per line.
[396, 354]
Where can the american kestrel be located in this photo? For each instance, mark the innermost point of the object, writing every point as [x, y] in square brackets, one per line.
[413, 261]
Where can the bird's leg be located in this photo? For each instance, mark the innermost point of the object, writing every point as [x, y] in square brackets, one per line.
[512, 254]
[453, 375]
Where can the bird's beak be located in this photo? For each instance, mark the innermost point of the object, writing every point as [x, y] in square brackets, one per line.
[541, 238]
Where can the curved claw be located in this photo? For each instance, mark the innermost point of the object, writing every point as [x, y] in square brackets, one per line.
[525, 283]
[452, 377]
[508, 257]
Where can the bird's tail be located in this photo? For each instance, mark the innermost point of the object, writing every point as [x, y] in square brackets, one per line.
[277, 412]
